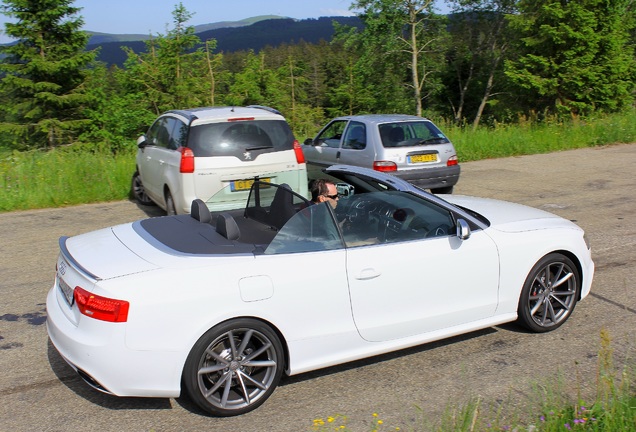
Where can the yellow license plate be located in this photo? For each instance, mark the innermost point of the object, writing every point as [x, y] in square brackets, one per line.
[241, 185]
[423, 158]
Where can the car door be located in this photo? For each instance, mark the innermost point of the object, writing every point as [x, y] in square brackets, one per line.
[356, 149]
[152, 157]
[409, 286]
[325, 149]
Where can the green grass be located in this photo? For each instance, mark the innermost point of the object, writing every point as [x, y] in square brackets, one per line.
[532, 138]
[68, 176]
[551, 410]
[60, 178]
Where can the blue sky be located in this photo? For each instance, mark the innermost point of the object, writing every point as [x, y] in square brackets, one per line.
[152, 16]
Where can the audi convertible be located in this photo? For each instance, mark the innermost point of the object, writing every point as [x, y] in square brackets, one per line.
[220, 303]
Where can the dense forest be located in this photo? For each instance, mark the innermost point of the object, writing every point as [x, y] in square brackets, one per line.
[488, 62]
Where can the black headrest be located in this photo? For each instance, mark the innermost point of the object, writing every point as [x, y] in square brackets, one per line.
[200, 211]
[227, 227]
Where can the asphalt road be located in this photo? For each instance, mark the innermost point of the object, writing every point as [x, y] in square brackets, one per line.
[594, 187]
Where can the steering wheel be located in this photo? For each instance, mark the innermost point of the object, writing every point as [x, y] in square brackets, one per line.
[438, 231]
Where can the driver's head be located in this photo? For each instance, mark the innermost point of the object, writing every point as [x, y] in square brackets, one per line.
[324, 190]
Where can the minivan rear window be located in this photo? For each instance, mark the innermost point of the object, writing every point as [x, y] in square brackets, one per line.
[236, 138]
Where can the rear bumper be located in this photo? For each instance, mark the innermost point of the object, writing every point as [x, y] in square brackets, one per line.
[431, 178]
[98, 352]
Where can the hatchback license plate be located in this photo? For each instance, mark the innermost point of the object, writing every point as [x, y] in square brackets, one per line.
[241, 185]
[423, 158]
[67, 291]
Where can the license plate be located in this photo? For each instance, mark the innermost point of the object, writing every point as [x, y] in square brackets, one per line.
[241, 185]
[66, 290]
[423, 158]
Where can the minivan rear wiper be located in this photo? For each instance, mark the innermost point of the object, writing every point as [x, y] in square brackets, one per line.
[258, 148]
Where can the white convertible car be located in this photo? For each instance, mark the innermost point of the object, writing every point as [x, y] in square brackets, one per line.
[219, 304]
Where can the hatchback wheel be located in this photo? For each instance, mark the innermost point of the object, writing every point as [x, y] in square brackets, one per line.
[138, 190]
[234, 367]
[443, 190]
[549, 294]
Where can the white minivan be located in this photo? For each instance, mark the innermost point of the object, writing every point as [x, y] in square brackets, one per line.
[194, 153]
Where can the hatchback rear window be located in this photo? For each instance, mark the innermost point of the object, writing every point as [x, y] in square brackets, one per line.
[236, 138]
[408, 134]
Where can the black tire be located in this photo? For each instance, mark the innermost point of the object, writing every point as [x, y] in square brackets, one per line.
[234, 367]
[549, 294]
[138, 190]
[442, 190]
[170, 208]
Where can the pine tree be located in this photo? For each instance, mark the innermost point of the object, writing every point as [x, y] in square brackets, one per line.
[41, 91]
[575, 55]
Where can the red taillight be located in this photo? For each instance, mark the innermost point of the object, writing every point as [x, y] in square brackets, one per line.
[100, 308]
[384, 166]
[452, 161]
[298, 151]
[240, 119]
[187, 160]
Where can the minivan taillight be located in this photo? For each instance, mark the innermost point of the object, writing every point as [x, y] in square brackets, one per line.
[384, 166]
[298, 151]
[452, 161]
[100, 308]
[187, 160]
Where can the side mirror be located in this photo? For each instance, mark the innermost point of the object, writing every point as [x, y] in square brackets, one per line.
[141, 142]
[463, 229]
[308, 141]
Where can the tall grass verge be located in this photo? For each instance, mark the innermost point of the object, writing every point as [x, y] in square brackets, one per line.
[532, 138]
[71, 176]
[552, 409]
[58, 178]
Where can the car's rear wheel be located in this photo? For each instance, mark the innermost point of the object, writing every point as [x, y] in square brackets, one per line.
[170, 208]
[549, 294]
[138, 190]
[234, 367]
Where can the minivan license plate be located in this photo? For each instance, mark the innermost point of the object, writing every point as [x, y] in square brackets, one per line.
[241, 185]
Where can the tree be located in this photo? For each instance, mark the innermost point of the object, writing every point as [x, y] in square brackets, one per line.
[169, 75]
[42, 90]
[411, 28]
[479, 45]
[575, 55]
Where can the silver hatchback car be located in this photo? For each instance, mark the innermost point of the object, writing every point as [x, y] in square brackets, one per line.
[409, 147]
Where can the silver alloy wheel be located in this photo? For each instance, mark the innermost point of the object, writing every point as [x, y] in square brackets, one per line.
[237, 369]
[549, 294]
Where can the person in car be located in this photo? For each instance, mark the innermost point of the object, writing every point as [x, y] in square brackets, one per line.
[324, 190]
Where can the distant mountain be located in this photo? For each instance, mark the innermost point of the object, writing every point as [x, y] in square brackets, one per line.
[252, 33]
[101, 38]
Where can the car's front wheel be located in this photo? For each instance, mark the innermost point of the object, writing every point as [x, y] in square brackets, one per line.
[549, 294]
[138, 190]
[234, 367]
